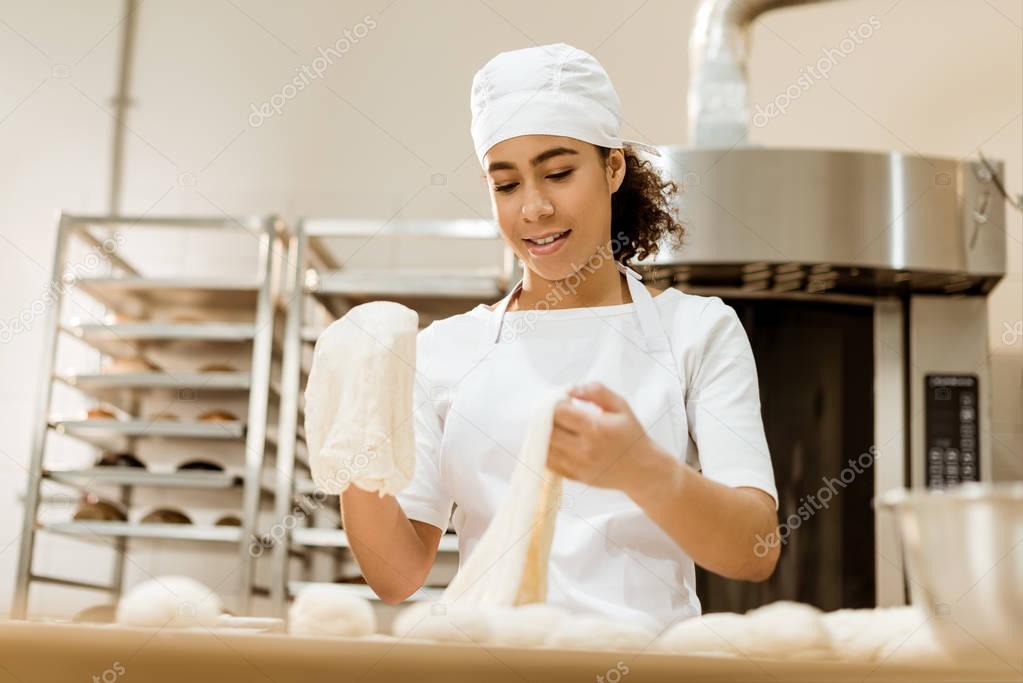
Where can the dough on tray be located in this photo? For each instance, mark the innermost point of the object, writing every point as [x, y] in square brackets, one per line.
[329, 611]
[358, 401]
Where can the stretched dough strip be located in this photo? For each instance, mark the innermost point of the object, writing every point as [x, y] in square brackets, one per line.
[509, 564]
[533, 585]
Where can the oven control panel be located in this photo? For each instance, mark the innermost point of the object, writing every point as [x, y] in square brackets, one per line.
[951, 432]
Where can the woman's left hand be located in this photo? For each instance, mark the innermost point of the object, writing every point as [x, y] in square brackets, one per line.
[604, 450]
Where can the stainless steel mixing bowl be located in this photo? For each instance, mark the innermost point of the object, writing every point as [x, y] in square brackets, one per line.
[964, 557]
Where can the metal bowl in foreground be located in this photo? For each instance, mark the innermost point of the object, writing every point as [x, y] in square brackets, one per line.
[964, 557]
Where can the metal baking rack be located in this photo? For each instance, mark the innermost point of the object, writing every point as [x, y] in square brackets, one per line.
[322, 286]
[128, 294]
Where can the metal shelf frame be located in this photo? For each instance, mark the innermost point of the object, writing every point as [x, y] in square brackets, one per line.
[317, 275]
[131, 476]
[130, 292]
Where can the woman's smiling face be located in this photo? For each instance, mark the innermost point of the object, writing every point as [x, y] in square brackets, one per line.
[543, 185]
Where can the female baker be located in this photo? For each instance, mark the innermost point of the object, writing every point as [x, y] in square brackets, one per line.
[672, 374]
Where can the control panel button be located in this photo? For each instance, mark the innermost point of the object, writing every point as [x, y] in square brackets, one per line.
[951, 438]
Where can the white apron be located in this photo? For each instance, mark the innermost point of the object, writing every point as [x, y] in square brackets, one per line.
[607, 556]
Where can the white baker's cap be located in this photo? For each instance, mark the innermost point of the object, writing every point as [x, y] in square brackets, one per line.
[552, 89]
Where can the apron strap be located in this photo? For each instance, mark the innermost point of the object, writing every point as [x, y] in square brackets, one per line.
[497, 320]
[646, 310]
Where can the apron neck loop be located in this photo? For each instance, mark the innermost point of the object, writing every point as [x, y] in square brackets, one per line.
[646, 310]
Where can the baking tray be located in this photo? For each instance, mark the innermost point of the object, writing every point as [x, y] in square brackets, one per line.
[132, 476]
[119, 292]
[126, 339]
[163, 532]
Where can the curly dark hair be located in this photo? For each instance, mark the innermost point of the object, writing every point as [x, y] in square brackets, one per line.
[642, 211]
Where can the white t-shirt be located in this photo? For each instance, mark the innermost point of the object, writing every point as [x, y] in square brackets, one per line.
[715, 362]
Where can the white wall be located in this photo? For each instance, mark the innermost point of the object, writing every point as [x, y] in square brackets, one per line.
[939, 77]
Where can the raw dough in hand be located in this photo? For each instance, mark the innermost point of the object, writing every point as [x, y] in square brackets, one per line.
[358, 401]
[509, 564]
[497, 596]
[169, 602]
[327, 611]
[508, 567]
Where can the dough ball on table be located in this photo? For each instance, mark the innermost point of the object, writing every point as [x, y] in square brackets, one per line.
[788, 630]
[525, 626]
[600, 633]
[909, 636]
[719, 634]
[873, 635]
[441, 622]
[326, 611]
[856, 634]
[169, 602]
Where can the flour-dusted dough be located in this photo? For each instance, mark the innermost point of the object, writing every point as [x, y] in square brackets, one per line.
[526, 625]
[788, 630]
[722, 633]
[442, 622]
[509, 564]
[358, 401]
[884, 633]
[600, 633]
[169, 602]
[781, 630]
[856, 634]
[328, 611]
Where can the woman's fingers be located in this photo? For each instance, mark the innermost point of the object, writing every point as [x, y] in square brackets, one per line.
[562, 454]
[573, 418]
[564, 440]
[597, 393]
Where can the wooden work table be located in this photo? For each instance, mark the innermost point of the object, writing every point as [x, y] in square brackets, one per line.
[71, 652]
